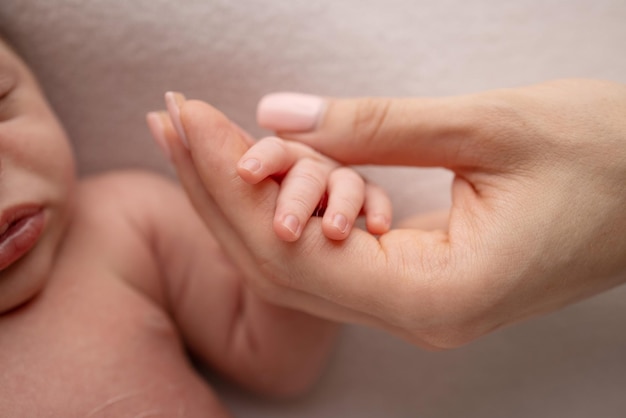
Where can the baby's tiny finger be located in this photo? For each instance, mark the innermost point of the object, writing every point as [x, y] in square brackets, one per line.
[266, 157]
[346, 194]
[301, 190]
[378, 209]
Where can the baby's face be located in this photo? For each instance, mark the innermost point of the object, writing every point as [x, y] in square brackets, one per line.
[36, 180]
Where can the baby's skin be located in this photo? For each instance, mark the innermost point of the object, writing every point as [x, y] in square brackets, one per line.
[107, 283]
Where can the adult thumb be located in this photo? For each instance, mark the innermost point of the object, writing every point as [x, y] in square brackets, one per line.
[443, 132]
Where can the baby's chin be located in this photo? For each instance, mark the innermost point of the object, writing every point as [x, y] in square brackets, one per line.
[25, 278]
[16, 291]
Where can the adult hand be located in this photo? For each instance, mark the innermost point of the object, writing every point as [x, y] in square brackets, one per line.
[537, 218]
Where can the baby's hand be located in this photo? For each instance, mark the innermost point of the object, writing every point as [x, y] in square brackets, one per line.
[314, 185]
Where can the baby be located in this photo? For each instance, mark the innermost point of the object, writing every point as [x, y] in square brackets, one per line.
[106, 283]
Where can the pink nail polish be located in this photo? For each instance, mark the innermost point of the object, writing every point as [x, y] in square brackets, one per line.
[173, 102]
[290, 112]
[155, 124]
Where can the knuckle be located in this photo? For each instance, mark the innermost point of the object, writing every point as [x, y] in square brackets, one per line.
[303, 151]
[311, 174]
[347, 176]
[349, 205]
[306, 182]
[370, 116]
[502, 115]
[350, 173]
[275, 143]
[351, 187]
[495, 127]
[298, 204]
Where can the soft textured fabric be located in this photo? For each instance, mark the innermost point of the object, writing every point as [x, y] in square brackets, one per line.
[104, 64]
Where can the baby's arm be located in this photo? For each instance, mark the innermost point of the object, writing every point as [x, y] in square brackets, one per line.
[263, 347]
[314, 185]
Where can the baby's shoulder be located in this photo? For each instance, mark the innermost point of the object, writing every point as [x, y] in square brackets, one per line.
[121, 206]
[117, 217]
[124, 187]
[120, 194]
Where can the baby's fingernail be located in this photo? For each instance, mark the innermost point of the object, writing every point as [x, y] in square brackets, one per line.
[292, 224]
[157, 129]
[174, 101]
[383, 221]
[340, 222]
[290, 112]
[251, 165]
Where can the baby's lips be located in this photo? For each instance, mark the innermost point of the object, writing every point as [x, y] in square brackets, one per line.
[22, 227]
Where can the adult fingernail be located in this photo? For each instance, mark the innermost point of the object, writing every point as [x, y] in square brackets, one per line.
[174, 101]
[157, 129]
[290, 112]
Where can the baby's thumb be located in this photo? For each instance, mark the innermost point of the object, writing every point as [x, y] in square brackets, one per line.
[408, 131]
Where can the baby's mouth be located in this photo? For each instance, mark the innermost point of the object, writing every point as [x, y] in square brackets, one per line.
[20, 229]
